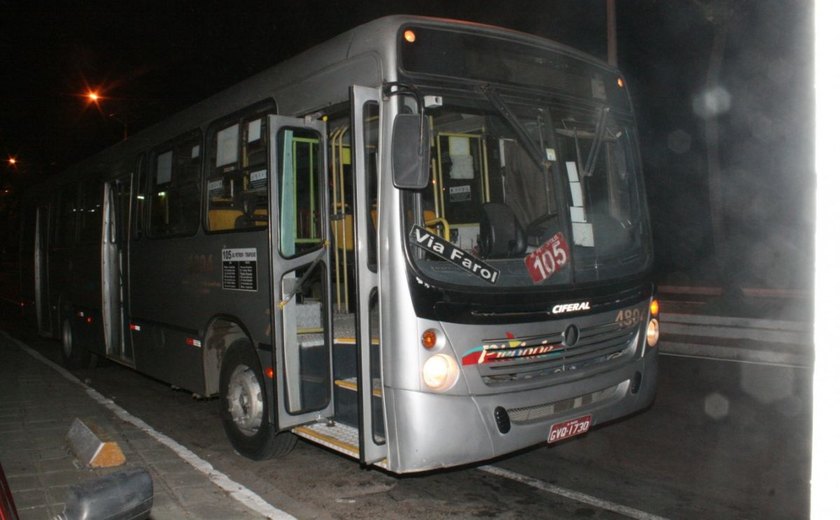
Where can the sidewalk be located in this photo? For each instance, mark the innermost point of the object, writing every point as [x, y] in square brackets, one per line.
[754, 325]
[38, 402]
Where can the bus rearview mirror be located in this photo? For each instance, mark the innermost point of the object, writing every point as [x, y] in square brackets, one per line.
[410, 152]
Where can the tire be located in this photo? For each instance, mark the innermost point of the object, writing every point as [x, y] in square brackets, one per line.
[244, 407]
[72, 354]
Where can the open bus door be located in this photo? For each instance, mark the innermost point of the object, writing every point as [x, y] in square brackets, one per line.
[302, 291]
[366, 124]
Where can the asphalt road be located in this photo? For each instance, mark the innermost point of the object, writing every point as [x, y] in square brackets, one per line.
[722, 440]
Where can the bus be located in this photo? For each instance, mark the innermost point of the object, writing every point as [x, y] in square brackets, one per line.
[422, 244]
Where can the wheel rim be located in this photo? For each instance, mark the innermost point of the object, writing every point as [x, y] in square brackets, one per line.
[66, 340]
[244, 398]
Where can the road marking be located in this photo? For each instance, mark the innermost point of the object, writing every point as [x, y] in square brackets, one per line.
[242, 494]
[570, 494]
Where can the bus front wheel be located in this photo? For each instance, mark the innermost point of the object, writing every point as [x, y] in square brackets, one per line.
[245, 409]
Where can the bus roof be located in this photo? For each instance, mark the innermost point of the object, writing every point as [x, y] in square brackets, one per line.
[373, 39]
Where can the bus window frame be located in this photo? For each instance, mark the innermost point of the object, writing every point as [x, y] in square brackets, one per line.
[308, 136]
[194, 136]
[259, 110]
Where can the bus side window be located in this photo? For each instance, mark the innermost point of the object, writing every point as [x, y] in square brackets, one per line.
[300, 195]
[90, 214]
[139, 213]
[65, 228]
[237, 174]
[174, 204]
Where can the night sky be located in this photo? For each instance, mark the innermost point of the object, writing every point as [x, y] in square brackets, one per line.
[150, 59]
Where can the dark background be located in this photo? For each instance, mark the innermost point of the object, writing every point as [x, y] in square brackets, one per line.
[723, 90]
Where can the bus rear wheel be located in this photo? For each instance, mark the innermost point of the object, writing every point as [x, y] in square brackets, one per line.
[245, 409]
[72, 354]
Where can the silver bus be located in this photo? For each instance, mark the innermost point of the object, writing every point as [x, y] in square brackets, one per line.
[423, 243]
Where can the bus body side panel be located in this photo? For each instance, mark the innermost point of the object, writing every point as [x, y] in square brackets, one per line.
[75, 293]
[177, 289]
[85, 295]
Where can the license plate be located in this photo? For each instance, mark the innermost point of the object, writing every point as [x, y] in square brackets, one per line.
[570, 428]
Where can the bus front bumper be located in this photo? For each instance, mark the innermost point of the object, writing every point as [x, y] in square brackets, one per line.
[429, 431]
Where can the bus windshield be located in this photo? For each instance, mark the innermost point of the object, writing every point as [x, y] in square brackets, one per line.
[529, 194]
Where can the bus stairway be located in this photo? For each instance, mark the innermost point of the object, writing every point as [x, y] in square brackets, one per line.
[342, 432]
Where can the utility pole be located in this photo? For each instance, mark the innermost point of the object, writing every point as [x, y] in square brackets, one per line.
[612, 44]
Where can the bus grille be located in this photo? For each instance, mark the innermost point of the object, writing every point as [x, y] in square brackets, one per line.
[599, 345]
[557, 408]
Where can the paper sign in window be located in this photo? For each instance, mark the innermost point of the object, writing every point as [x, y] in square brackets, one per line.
[254, 130]
[571, 168]
[163, 174]
[582, 232]
[227, 145]
[257, 179]
[462, 161]
[215, 187]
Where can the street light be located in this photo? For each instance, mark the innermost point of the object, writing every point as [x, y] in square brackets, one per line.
[94, 97]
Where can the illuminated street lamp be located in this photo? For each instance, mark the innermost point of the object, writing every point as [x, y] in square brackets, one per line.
[94, 97]
[12, 161]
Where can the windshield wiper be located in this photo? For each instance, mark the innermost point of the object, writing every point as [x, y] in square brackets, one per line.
[530, 146]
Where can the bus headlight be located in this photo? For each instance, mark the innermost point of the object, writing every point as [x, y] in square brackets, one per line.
[653, 332]
[440, 372]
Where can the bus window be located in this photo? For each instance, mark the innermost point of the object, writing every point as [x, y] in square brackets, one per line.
[460, 158]
[371, 140]
[139, 213]
[90, 218]
[300, 215]
[238, 175]
[65, 229]
[173, 193]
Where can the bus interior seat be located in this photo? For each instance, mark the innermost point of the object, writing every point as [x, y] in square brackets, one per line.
[223, 218]
[254, 206]
[500, 234]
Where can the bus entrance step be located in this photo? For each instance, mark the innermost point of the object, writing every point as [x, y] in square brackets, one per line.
[347, 404]
[351, 384]
[342, 438]
[337, 436]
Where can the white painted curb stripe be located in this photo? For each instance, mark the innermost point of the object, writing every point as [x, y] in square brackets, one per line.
[572, 495]
[239, 492]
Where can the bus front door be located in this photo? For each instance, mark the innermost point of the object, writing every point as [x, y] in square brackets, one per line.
[115, 227]
[366, 138]
[302, 290]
